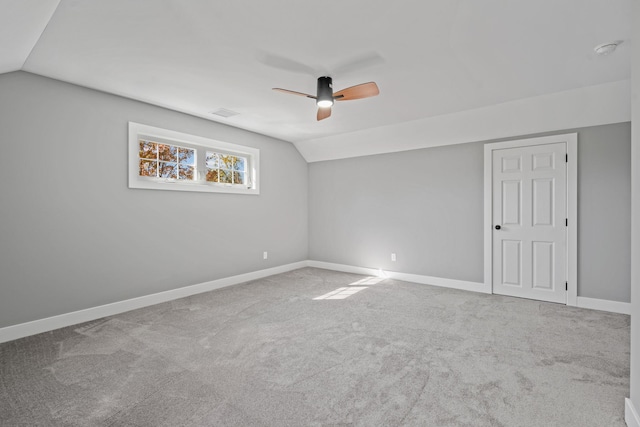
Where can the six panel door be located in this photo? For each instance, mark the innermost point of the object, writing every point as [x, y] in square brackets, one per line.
[529, 214]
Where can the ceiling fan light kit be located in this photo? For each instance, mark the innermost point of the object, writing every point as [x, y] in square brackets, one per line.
[325, 92]
[325, 96]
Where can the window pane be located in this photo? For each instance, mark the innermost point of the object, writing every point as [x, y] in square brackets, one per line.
[212, 175]
[167, 170]
[238, 177]
[186, 156]
[212, 160]
[185, 172]
[168, 152]
[225, 176]
[239, 164]
[148, 168]
[227, 161]
[148, 150]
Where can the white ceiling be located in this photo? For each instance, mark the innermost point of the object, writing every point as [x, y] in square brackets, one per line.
[21, 24]
[431, 59]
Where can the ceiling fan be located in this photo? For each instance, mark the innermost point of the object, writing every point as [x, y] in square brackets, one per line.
[325, 96]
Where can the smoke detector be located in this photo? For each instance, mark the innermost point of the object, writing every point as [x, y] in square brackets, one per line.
[606, 48]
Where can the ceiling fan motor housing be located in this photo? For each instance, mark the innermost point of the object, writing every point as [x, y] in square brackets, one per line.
[325, 89]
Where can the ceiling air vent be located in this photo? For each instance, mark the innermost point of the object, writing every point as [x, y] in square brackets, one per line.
[223, 112]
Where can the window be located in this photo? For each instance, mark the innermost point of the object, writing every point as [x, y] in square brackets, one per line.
[166, 161]
[225, 168]
[161, 159]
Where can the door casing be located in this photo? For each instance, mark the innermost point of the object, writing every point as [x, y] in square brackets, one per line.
[571, 139]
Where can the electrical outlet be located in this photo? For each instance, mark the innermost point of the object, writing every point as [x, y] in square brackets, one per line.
[393, 257]
[265, 255]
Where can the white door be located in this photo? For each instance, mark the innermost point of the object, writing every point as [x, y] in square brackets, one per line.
[529, 219]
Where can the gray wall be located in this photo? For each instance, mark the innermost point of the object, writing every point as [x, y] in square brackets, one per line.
[427, 206]
[604, 212]
[73, 236]
[635, 252]
[424, 205]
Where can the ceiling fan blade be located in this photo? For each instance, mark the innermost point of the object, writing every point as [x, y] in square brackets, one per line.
[364, 90]
[276, 61]
[292, 92]
[366, 60]
[323, 113]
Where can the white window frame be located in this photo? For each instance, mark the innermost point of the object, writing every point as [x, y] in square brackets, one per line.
[201, 144]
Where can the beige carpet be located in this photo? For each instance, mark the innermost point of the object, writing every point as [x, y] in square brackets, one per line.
[297, 349]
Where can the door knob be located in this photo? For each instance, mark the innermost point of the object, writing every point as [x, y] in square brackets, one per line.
[498, 227]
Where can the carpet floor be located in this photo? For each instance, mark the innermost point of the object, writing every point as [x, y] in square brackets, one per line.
[321, 348]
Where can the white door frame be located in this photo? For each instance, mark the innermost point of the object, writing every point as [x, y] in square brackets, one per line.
[571, 139]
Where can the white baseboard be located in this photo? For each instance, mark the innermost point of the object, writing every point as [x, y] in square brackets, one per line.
[13, 332]
[415, 278]
[582, 302]
[604, 305]
[21, 330]
[630, 414]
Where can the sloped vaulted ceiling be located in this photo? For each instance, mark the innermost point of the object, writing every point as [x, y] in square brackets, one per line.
[449, 71]
[21, 25]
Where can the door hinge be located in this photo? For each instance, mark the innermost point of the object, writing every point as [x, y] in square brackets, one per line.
[566, 222]
[566, 158]
[566, 286]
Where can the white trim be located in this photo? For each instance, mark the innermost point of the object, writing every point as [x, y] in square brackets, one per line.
[630, 414]
[572, 214]
[604, 305]
[582, 302]
[571, 139]
[415, 278]
[139, 131]
[488, 217]
[21, 330]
